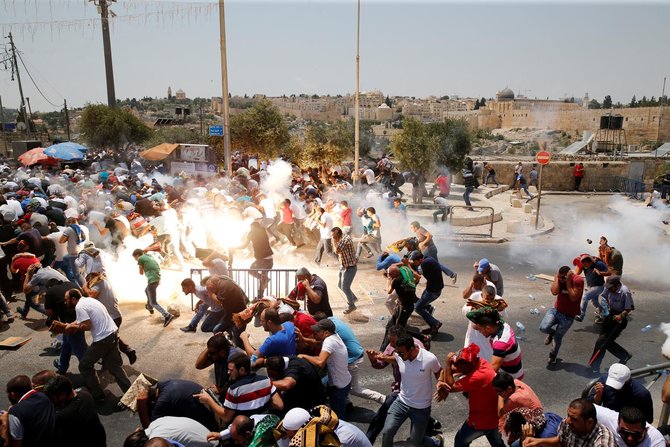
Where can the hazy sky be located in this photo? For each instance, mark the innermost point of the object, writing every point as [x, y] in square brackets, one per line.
[407, 48]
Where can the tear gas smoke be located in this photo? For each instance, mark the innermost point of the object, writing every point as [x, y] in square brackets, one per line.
[665, 349]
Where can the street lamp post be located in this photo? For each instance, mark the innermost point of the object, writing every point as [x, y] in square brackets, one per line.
[224, 88]
[357, 103]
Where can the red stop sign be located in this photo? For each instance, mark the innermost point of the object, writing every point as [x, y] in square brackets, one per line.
[543, 157]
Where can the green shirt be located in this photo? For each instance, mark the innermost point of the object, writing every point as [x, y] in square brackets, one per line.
[151, 268]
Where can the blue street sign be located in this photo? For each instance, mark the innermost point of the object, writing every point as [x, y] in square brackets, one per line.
[215, 131]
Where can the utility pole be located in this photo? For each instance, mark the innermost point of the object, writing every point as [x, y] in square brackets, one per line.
[224, 88]
[30, 110]
[2, 126]
[103, 8]
[67, 119]
[357, 103]
[18, 79]
[201, 134]
[660, 117]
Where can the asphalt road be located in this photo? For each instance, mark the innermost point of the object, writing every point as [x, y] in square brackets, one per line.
[169, 353]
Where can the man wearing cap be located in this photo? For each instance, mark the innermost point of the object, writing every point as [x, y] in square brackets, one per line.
[568, 289]
[314, 289]
[431, 269]
[348, 434]
[619, 299]
[333, 355]
[491, 272]
[616, 390]
[595, 271]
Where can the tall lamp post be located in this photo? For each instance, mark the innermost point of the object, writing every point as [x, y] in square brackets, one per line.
[103, 8]
[357, 104]
[224, 88]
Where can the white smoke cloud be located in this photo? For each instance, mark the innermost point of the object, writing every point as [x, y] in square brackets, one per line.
[665, 349]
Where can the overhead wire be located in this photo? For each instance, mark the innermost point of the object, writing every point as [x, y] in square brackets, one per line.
[34, 83]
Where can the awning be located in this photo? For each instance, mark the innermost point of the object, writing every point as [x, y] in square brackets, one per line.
[159, 152]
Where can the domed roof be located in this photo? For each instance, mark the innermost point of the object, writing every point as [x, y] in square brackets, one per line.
[505, 93]
[383, 106]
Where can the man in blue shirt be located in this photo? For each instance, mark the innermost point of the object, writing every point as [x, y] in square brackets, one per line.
[616, 390]
[432, 270]
[595, 271]
[281, 340]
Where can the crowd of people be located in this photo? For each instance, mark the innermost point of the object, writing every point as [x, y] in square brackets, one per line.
[61, 230]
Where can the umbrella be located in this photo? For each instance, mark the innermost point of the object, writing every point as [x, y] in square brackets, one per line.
[37, 156]
[73, 145]
[65, 151]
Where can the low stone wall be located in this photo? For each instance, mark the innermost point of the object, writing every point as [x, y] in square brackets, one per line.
[558, 175]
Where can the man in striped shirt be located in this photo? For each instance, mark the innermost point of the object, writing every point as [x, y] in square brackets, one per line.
[249, 394]
[506, 349]
[344, 248]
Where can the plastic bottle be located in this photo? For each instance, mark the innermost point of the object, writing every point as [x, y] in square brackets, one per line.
[535, 311]
[647, 328]
[531, 297]
[521, 330]
[604, 307]
[531, 277]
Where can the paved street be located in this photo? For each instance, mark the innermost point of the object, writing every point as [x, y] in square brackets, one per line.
[169, 353]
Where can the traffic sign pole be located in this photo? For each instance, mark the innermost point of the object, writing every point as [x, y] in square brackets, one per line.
[542, 158]
[539, 197]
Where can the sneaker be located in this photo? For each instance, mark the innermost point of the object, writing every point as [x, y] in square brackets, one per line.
[551, 360]
[454, 278]
[149, 308]
[187, 329]
[548, 339]
[132, 356]
[579, 318]
[440, 440]
[349, 310]
[426, 341]
[168, 320]
[434, 330]
[57, 366]
[599, 319]
[626, 359]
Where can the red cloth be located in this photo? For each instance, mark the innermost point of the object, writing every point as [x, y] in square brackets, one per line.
[345, 215]
[482, 397]
[304, 322]
[286, 215]
[21, 264]
[564, 304]
[579, 171]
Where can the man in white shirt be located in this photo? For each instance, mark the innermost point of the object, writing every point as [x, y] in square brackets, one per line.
[369, 175]
[417, 366]
[325, 224]
[333, 355]
[630, 427]
[92, 316]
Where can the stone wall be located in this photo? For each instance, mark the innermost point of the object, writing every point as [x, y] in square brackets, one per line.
[640, 123]
[557, 175]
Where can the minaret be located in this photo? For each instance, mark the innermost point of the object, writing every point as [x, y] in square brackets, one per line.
[585, 101]
[169, 92]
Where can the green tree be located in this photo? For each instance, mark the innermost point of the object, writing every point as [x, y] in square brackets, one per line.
[455, 141]
[482, 102]
[174, 134]
[260, 130]
[607, 102]
[112, 128]
[388, 101]
[633, 101]
[476, 106]
[324, 144]
[594, 104]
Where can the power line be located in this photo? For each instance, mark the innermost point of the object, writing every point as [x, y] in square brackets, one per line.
[34, 83]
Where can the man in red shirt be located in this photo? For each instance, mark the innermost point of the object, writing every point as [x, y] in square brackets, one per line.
[568, 289]
[579, 175]
[287, 224]
[477, 383]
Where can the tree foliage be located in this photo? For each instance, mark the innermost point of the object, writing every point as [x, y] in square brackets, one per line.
[113, 128]
[174, 134]
[482, 102]
[420, 147]
[476, 106]
[325, 144]
[607, 102]
[260, 130]
[594, 104]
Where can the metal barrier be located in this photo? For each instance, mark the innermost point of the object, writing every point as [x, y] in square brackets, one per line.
[470, 208]
[657, 370]
[631, 187]
[279, 283]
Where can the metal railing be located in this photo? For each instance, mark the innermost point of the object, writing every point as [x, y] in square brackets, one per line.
[278, 282]
[652, 370]
[631, 187]
[470, 208]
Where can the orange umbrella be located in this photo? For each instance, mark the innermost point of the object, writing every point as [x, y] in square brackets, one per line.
[37, 156]
[159, 152]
